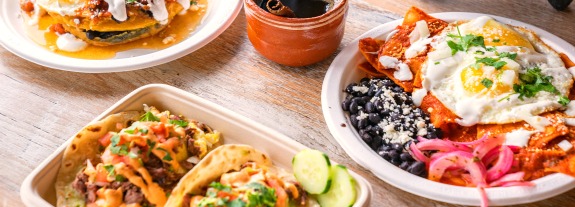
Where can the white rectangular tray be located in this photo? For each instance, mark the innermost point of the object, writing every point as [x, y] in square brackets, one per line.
[38, 188]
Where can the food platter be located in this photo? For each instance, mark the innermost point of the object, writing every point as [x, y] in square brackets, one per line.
[219, 16]
[38, 188]
[343, 71]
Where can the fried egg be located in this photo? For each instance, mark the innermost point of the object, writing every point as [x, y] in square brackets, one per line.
[477, 84]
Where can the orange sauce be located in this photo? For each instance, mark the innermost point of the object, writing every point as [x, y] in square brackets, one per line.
[179, 28]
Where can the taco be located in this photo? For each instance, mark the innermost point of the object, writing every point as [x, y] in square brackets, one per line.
[238, 175]
[131, 159]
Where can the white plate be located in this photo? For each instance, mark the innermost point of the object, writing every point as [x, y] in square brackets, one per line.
[219, 15]
[38, 187]
[343, 71]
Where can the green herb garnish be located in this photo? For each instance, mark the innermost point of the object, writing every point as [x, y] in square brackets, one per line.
[495, 62]
[143, 131]
[181, 123]
[532, 82]
[261, 196]
[465, 42]
[487, 82]
[564, 100]
[110, 170]
[166, 157]
[496, 40]
[148, 116]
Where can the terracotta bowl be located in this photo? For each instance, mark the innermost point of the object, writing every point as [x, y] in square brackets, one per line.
[295, 41]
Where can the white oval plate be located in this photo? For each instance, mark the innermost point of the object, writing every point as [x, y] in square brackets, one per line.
[219, 15]
[343, 71]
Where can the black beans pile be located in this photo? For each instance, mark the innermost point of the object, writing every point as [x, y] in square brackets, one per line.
[388, 121]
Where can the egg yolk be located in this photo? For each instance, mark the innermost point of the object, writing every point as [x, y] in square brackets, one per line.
[497, 34]
[471, 78]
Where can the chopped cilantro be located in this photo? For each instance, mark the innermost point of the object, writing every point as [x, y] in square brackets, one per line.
[143, 131]
[115, 140]
[130, 1]
[479, 52]
[532, 82]
[261, 196]
[465, 42]
[496, 40]
[495, 62]
[166, 157]
[437, 63]
[491, 49]
[119, 150]
[193, 2]
[110, 170]
[120, 178]
[564, 100]
[221, 187]
[181, 123]
[129, 131]
[236, 203]
[151, 145]
[509, 55]
[148, 116]
[487, 82]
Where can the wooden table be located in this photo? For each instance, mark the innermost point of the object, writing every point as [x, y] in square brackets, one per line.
[40, 108]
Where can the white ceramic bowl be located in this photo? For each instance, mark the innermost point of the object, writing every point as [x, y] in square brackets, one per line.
[219, 15]
[38, 188]
[343, 71]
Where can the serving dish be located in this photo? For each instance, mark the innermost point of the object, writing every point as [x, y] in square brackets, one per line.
[343, 71]
[38, 187]
[219, 16]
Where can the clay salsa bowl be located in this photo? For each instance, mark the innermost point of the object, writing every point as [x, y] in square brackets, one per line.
[295, 41]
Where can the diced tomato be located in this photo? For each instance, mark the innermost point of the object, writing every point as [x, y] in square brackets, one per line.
[105, 140]
[102, 175]
[160, 131]
[282, 197]
[224, 194]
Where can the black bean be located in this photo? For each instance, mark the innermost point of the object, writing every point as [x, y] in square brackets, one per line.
[358, 100]
[388, 83]
[366, 99]
[394, 116]
[405, 156]
[404, 165]
[353, 120]
[417, 168]
[362, 123]
[375, 144]
[353, 107]
[371, 91]
[395, 161]
[364, 81]
[349, 87]
[393, 154]
[397, 146]
[378, 104]
[385, 112]
[345, 105]
[367, 138]
[397, 89]
[369, 107]
[378, 93]
[384, 155]
[374, 118]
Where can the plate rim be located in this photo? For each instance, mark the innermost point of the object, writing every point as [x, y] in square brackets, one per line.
[349, 139]
[225, 12]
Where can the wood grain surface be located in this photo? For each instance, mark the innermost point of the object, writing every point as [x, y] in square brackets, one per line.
[40, 108]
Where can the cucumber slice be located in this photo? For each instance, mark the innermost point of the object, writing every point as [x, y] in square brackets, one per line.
[342, 191]
[313, 170]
